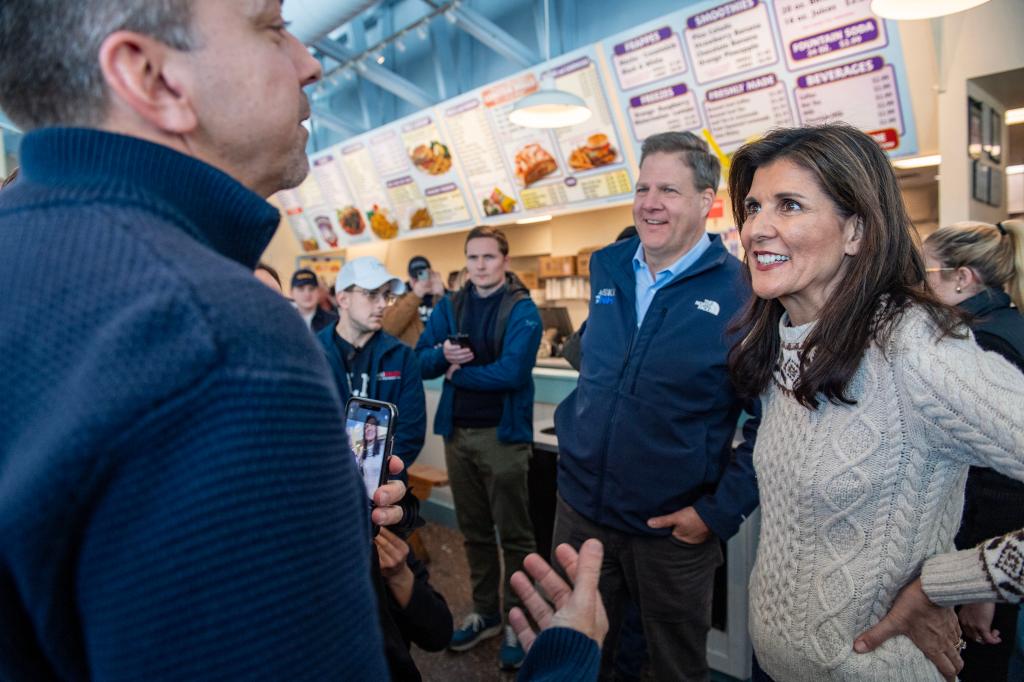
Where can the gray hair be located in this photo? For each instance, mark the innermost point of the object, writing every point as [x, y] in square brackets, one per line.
[695, 153]
[49, 53]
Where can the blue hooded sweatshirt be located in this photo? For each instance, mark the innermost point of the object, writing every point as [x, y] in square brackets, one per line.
[394, 378]
[649, 428]
[519, 329]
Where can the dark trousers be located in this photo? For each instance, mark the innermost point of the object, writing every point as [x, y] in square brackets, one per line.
[488, 480]
[670, 581]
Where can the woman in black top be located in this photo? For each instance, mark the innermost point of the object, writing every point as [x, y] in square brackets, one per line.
[980, 269]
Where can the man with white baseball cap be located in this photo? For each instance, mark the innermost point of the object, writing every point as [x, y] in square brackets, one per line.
[370, 363]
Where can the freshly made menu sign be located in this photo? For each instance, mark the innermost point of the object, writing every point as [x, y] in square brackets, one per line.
[734, 69]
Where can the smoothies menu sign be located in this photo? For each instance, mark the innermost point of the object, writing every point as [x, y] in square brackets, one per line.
[734, 68]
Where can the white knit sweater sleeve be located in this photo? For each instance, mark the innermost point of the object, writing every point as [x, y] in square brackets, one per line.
[993, 571]
[971, 401]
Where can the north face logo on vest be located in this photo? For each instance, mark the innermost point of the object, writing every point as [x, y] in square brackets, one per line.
[708, 306]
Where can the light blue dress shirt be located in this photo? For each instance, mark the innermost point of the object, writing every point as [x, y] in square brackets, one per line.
[647, 286]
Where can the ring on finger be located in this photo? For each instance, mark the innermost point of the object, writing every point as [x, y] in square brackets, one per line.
[960, 645]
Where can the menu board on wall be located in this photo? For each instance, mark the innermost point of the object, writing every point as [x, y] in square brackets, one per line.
[742, 67]
[734, 68]
[514, 170]
[380, 185]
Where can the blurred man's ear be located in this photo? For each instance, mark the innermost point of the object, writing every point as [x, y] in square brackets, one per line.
[149, 80]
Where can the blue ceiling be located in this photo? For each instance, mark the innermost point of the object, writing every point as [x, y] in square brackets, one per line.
[433, 50]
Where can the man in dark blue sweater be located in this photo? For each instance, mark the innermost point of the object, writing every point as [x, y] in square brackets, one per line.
[645, 457]
[175, 501]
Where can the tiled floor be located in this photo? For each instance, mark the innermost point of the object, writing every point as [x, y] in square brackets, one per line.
[449, 574]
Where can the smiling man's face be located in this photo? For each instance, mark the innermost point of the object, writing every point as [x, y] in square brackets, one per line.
[669, 212]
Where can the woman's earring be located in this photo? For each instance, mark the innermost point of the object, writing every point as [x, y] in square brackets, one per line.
[958, 290]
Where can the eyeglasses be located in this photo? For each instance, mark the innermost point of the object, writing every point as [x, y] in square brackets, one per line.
[383, 294]
[938, 269]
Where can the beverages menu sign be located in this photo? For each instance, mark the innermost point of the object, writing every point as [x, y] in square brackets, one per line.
[734, 68]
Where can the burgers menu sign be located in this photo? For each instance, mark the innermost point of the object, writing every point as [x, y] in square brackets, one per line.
[733, 69]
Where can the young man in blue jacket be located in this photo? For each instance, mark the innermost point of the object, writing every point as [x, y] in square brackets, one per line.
[367, 362]
[483, 339]
[646, 462]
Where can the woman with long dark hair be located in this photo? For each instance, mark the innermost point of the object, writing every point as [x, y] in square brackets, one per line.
[875, 403]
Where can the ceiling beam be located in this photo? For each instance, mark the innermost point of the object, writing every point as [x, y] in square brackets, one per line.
[378, 75]
[342, 126]
[492, 35]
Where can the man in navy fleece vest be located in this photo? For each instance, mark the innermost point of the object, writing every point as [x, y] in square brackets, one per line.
[174, 498]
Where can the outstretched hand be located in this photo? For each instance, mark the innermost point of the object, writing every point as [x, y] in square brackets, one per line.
[579, 607]
[933, 629]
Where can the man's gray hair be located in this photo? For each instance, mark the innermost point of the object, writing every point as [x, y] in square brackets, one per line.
[707, 172]
[49, 53]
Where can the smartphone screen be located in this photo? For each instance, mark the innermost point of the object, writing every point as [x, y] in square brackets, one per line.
[370, 425]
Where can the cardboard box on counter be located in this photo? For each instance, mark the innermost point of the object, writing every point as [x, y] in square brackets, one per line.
[583, 260]
[557, 266]
[529, 278]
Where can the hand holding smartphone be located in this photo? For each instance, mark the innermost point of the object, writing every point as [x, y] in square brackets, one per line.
[370, 425]
[457, 349]
[460, 339]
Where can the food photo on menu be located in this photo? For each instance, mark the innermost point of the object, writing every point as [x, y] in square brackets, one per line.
[351, 220]
[420, 217]
[534, 162]
[594, 151]
[381, 223]
[432, 159]
[498, 203]
[323, 223]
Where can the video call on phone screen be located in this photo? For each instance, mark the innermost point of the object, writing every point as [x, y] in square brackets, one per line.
[367, 434]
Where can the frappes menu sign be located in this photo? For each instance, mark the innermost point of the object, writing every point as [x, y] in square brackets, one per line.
[742, 67]
[735, 69]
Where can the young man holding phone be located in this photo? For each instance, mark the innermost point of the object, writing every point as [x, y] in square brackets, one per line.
[369, 363]
[483, 339]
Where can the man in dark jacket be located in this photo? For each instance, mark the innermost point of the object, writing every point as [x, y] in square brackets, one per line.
[483, 340]
[645, 439]
[369, 363]
[406, 319]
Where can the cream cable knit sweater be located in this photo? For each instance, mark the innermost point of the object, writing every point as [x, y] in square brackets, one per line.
[854, 498]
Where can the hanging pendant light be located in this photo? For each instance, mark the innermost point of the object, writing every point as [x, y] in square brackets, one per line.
[907, 10]
[549, 107]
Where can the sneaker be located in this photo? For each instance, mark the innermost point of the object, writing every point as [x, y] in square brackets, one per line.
[511, 655]
[475, 629]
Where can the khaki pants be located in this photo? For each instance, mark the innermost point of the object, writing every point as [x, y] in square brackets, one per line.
[488, 481]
